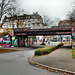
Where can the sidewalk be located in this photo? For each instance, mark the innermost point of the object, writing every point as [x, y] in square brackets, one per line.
[26, 48]
[33, 46]
[60, 58]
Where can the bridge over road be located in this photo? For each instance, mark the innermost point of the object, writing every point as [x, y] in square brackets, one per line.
[23, 33]
[47, 31]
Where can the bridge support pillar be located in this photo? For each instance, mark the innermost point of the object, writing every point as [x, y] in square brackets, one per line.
[67, 39]
[61, 39]
[27, 41]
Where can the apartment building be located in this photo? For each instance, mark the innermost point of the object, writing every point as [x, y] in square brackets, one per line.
[27, 20]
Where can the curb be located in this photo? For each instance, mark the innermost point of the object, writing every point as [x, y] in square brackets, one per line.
[50, 68]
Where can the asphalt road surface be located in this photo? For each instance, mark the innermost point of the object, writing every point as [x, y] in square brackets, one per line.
[16, 63]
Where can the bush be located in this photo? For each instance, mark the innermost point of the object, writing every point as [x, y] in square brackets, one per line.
[73, 53]
[46, 50]
[43, 51]
[38, 52]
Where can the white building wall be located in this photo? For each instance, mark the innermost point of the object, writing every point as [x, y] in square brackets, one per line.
[10, 26]
[33, 23]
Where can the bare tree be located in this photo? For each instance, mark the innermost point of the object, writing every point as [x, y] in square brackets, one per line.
[56, 21]
[10, 8]
[6, 6]
[48, 21]
[17, 11]
[71, 16]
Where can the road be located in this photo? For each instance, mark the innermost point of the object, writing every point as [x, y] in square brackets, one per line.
[50, 43]
[16, 63]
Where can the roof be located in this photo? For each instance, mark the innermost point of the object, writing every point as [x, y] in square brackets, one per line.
[21, 29]
[66, 22]
[24, 16]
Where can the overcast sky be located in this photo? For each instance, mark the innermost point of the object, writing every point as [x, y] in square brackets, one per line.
[52, 8]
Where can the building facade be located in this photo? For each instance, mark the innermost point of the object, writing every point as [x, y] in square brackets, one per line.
[33, 21]
[63, 24]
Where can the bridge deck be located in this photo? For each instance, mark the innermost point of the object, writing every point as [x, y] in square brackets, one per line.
[48, 31]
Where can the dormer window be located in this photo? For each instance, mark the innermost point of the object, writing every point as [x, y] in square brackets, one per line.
[28, 16]
[33, 16]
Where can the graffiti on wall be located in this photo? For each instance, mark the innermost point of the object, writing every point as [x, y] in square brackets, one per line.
[73, 33]
[14, 41]
[23, 41]
[4, 41]
[73, 36]
[26, 44]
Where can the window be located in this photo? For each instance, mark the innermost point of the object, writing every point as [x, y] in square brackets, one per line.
[13, 0]
[28, 16]
[19, 26]
[28, 20]
[9, 26]
[39, 19]
[15, 26]
[33, 20]
[33, 16]
[4, 26]
[25, 24]
[33, 24]
[38, 24]
[29, 24]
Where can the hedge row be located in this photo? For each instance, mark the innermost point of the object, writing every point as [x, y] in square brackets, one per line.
[73, 53]
[46, 50]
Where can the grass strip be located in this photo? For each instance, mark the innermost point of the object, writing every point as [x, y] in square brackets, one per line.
[2, 50]
[73, 53]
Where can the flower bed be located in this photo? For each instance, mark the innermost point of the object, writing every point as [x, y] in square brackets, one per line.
[46, 50]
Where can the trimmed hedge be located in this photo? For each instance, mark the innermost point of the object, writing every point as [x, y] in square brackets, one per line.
[73, 53]
[46, 50]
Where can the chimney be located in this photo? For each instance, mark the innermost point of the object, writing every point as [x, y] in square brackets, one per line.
[36, 12]
[33, 13]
